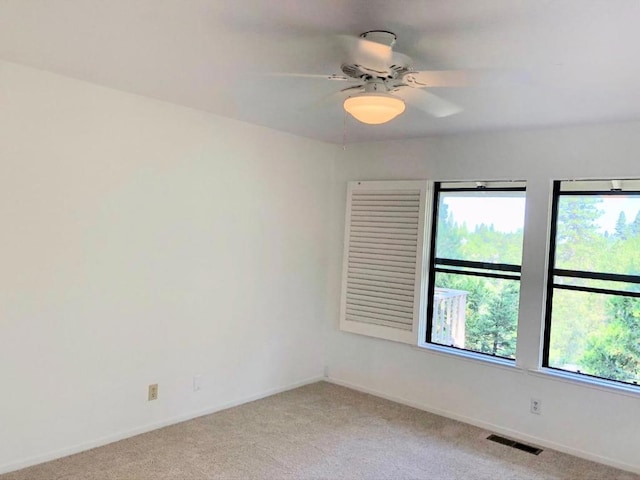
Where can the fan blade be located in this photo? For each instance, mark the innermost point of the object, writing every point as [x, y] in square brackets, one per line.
[372, 55]
[428, 102]
[355, 87]
[464, 78]
[309, 75]
[401, 60]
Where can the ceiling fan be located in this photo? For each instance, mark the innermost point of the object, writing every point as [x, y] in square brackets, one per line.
[385, 80]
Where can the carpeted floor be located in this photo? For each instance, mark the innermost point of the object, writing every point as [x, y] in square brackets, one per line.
[317, 431]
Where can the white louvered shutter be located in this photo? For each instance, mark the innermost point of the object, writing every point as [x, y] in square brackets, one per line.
[383, 268]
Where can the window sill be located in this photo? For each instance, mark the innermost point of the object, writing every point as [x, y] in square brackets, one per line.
[467, 356]
[582, 381]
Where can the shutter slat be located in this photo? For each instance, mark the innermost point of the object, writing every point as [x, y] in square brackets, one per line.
[386, 237]
[381, 232]
[355, 209]
[382, 268]
[362, 281]
[381, 262]
[380, 316]
[398, 254]
[385, 197]
[396, 312]
[387, 193]
[378, 291]
[380, 215]
[400, 223]
[373, 204]
[381, 295]
[381, 301]
[396, 276]
[392, 307]
[379, 259]
[393, 287]
[387, 247]
[375, 321]
[381, 278]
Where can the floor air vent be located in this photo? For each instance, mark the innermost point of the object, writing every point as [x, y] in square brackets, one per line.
[514, 444]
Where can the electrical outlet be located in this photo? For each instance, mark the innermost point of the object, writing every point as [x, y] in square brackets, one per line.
[197, 383]
[536, 406]
[153, 392]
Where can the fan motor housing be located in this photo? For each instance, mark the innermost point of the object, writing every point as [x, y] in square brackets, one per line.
[357, 71]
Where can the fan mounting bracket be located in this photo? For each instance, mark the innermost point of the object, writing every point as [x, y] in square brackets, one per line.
[383, 37]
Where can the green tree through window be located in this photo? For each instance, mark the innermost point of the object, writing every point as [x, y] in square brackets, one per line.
[595, 320]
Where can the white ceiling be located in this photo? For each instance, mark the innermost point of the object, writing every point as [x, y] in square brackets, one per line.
[581, 57]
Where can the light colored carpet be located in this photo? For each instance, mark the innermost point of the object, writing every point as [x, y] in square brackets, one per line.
[319, 431]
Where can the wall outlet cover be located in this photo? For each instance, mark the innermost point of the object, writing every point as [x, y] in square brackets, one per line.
[153, 391]
[197, 383]
[536, 406]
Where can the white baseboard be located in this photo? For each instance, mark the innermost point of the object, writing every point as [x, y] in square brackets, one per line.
[516, 435]
[64, 452]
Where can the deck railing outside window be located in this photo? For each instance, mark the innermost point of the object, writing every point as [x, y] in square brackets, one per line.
[449, 308]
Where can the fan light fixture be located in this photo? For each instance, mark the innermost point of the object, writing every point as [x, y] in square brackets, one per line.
[374, 108]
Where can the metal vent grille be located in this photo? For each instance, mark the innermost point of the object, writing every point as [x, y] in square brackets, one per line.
[513, 444]
[382, 252]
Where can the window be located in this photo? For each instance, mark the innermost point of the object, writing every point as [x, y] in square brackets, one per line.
[474, 269]
[593, 292]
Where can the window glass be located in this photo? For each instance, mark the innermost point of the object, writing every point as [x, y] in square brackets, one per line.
[593, 314]
[483, 226]
[596, 233]
[475, 269]
[476, 313]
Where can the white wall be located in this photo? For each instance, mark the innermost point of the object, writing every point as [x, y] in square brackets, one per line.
[144, 242]
[585, 421]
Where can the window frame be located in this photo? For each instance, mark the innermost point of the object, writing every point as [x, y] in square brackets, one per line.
[553, 272]
[432, 269]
